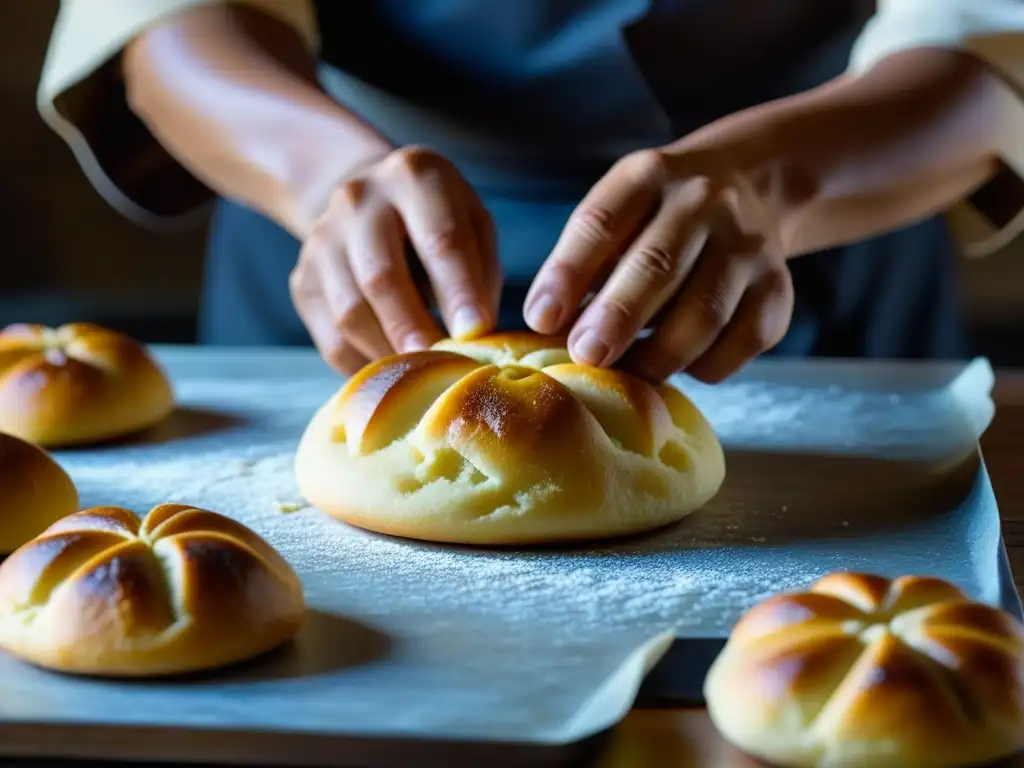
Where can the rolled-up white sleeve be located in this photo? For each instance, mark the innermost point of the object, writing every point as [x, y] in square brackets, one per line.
[81, 96]
[993, 30]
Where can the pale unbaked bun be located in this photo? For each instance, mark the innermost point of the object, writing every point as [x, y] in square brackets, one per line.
[37, 492]
[863, 671]
[504, 440]
[79, 383]
[186, 590]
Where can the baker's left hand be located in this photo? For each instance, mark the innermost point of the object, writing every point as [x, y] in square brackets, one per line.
[689, 250]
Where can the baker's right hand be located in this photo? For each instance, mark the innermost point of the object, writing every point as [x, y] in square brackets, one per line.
[352, 284]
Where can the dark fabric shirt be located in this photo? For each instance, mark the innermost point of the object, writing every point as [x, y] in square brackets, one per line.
[533, 100]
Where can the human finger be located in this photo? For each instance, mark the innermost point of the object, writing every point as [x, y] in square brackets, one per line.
[696, 316]
[487, 245]
[646, 277]
[375, 241]
[329, 275]
[760, 322]
[312, 309]
[433, 205]
[598, 231]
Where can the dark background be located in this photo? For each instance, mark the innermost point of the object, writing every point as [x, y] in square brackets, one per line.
[68, 256]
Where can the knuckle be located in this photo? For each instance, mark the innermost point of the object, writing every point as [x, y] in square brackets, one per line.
[342, 363]
[759, 336]
[398, 327]
[617, 311]
[350, 315]
[654, 262]
[713, 308]
[646, 164]
[380, 279]
[594, 223]
[445, 243]
[350, 195]
[296, 282]
[777, 282]
[317, 242]
[301, 279]
[412, 160]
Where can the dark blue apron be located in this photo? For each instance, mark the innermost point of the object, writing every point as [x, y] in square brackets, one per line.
[533, 100]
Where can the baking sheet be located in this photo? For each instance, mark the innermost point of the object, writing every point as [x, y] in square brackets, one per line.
[831, 466]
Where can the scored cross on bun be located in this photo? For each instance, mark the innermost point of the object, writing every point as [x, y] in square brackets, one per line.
[863, 671]
[79, 383]
[504, 440]
[184, 590]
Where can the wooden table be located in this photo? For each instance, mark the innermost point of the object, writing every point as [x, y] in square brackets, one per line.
[687, 739]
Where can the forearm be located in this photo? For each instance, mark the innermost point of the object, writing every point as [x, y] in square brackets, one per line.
[862, 156]
[232, 94]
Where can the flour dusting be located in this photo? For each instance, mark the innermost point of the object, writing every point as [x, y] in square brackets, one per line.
[500, 643]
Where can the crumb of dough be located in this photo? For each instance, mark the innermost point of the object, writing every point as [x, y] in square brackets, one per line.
[287, 507]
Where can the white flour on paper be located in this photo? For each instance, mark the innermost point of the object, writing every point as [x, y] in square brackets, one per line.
[575, 591]
[484, 643]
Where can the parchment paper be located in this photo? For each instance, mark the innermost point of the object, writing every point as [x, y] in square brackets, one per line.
[832, 466]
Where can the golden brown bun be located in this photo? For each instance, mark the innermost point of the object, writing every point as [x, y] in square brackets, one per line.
[100, 593]
[37, 492]
[77, 384]
[504, 440]
[864, 671]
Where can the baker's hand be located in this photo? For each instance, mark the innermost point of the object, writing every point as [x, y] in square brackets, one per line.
[688, 251]
[352, 285]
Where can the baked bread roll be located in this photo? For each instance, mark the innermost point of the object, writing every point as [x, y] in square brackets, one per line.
[863, 671]
[504, 440]
[37, 492]
[79, 383]
[184, 590]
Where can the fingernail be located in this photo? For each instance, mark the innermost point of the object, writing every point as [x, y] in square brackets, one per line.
[590, 349]
[465, 321]
[415, 342]
[544, 313]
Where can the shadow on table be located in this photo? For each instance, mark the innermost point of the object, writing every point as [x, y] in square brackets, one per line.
[187, 422]
[778, 499]
[326, 643]
[181, 424]
[772, 499]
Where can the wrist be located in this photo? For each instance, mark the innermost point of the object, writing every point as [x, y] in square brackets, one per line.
[312, 161]
[233, 95]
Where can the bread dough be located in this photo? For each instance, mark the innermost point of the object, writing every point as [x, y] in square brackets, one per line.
[505, 440]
